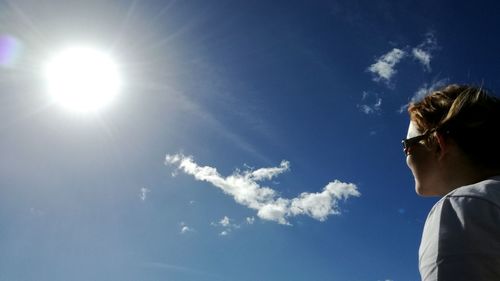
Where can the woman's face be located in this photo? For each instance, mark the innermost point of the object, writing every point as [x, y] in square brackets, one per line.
[422, 162]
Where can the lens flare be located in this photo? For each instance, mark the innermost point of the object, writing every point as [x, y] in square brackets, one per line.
[10, 49]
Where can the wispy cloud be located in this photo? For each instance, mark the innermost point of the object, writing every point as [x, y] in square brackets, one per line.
[250, 220]
[423, 57]
[144, 192]
[227, 225]
[423, 52]
[371, 103]
[224, 221]
[424, 90]
[246, 190]
[185, 228]
[384, 68]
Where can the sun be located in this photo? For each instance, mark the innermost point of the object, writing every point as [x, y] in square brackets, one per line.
[82, 79]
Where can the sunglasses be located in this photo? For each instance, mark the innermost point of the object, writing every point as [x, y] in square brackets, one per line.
[408, 143]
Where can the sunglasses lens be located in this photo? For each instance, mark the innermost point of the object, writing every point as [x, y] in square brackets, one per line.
[408, 143]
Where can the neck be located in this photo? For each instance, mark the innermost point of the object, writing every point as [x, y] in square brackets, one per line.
[464, 173]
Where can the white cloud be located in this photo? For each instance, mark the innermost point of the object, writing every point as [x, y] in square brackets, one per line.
[422, 52]
[269, 173]
[403, 108]
[370, 108]
[424, 90]
[372, 103]
[144, 192]
[427, 88]
[185, 228]
[275, 210]
[384, 67]
[245, 189]
[226, 225]
[224, 221]
[423, 57]
[320, 205]
[250, 220]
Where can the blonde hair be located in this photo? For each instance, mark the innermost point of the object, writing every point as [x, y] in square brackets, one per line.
[470, 115]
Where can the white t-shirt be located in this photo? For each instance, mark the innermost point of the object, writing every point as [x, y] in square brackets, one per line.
[461, 237]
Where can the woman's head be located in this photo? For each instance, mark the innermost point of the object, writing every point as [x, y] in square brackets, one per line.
[468, 115]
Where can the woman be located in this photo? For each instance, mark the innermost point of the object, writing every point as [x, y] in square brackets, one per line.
[453, 151]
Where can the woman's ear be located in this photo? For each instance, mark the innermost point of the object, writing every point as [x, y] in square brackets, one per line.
[443, 145]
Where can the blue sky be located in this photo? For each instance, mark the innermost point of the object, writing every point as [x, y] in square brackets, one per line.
[251, 140]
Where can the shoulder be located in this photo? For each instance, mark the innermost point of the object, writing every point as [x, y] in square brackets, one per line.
[471, 206]
[485, 193]
[461, 238]
[467, 206]
[468, 233]
[469, 219]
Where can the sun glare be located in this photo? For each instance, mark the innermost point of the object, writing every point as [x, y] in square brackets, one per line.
[82, 79]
